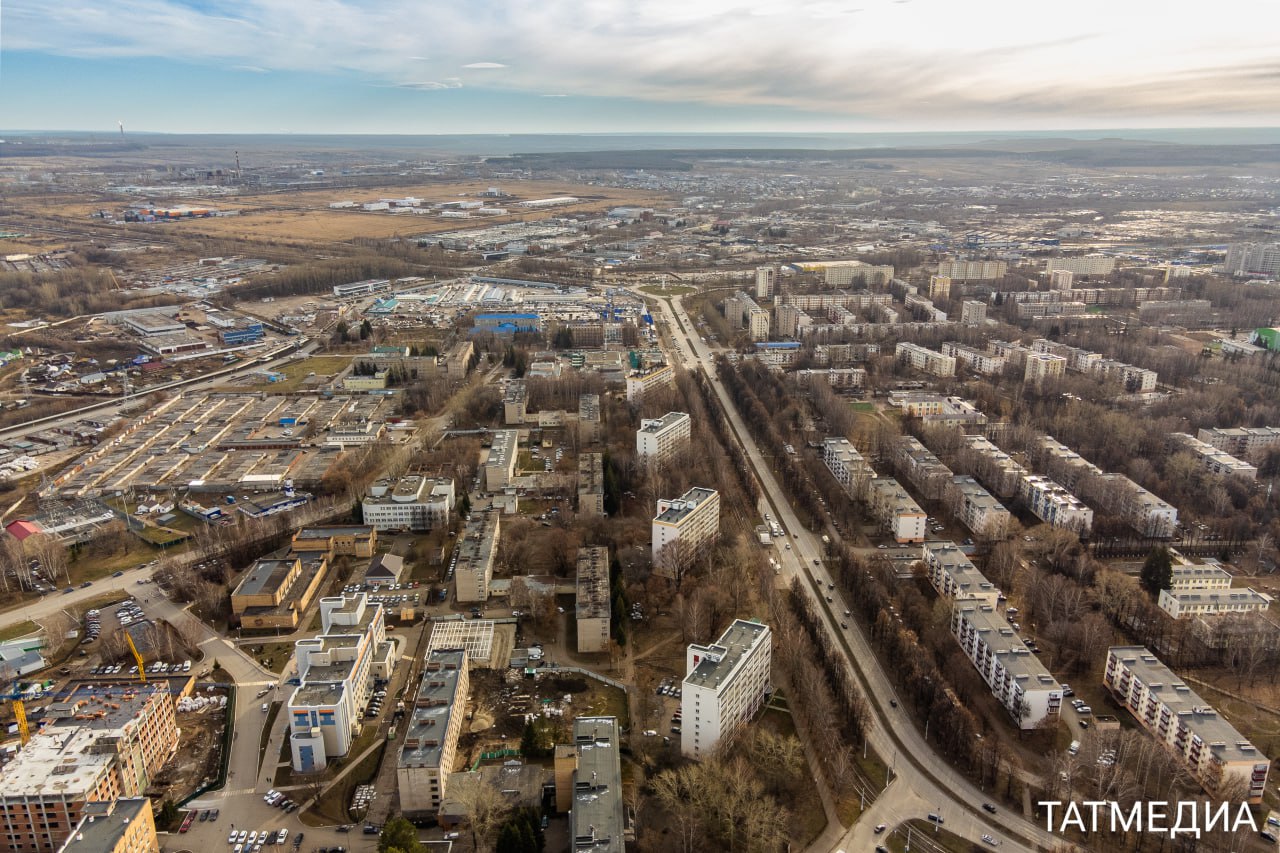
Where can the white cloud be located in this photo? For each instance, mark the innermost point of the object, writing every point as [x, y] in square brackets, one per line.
[878, 59]
[432, 85]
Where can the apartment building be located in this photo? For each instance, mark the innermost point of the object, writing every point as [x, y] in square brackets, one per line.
[953, 575]
[476, 554]
[434, 722]
[1242, 442]
[725, 685]
[1054, 505]
[684, 528]
[589, 422]
[917, 464]
[413, 502]
[1207, 745]
[846, 273]
[1212, 602]
[973, 313]
[975, 508]
[639, 382]
[1043, 365]
[923, 359]
[973, 270]
[1017, 678]
[120, 826]
[1133, 379]
[660, 438]
[939, 287]
[848, 467]
[500, 465]
[1084, 265]
[901, 516]
[937, 410]
[976, 360]
[837, 377]
[1212, 459]
[995, 468]
[1060, 279]
[591, 484]
[588, 776]
[102, 743]
[766, 282]
[515, 402]
[742, 312]
[593, 605]
[792, 321]
[1015, 354]
[1252, 259]
[1041, 310]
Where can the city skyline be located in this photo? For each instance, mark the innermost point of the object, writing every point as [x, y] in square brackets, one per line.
[270, 66]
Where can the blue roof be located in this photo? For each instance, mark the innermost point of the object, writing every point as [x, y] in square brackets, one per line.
[779, 345]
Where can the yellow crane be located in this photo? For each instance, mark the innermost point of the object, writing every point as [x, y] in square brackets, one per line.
[20, 713]
[142, 667]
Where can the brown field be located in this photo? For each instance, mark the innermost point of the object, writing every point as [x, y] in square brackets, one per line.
[306, 215]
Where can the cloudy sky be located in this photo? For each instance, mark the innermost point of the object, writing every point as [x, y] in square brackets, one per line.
[482, 66]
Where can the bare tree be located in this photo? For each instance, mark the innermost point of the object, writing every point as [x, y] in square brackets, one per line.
[482, 803]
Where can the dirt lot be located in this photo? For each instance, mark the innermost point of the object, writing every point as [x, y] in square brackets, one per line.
[199, 751]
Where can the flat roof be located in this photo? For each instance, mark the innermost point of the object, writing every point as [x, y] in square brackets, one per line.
[655, 425]
[434, 703]
[318, 692]
[596, 819]
[502, 449]
[104, 825]
[1193, 712]
[685, 504]
[336, 530]
[592, 589]
[1008, 647]
[718, 660]
[265, 576]
[1218, 596]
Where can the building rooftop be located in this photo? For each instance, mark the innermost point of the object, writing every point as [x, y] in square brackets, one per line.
[503, 449]
[1196, 714]
[593, 584]
[591, 473]
[517, 392]
[655, 425]
[589, 407]
[683, 505]
[718, 660]
[101, 706]
[596, 816]
[1219, 597]
[429, 718]
[103, 825]
[336, 530]
[265, 576]
[963, 573]
[974, 493]
[1008, 647]
[320, 691]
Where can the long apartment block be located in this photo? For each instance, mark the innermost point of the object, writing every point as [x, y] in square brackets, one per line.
[1054, 505]
[975, 508]
[430, 745]
[1213, 459]
[848, 467]
[684, 528]
[1217, 755]
[953, 575]
[1017, 678]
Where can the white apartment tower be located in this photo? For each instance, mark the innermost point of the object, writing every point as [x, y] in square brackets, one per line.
[683, 528]
[726, 685]
[659, 438]
[766, 282]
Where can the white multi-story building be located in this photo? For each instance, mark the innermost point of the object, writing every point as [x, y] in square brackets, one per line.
[476, 554]
[1213, 459]
[901, 516]
[1242, 442]
[434, 722]
[766, 282]
[988, 364]
[1042, 366]
[917, 464]
[792, 321]
[1252, 259]
[848, 467]
[995, 468]
[659, 438]
[836, 377]
[413, 502]
[515, 402]
[973, 312]
[336, 671]
[975, 508]
[500, 465]
[1054, 505]
[640, 382]
[1212, 602]
[921, 358]
[1017, 678]
[1060, 279]
[684, 528]
[1084, 265]
[973, 270]
[953, 575]
[1210, 747]
[726, 685]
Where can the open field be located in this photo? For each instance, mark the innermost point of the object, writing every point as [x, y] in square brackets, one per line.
[306, 215]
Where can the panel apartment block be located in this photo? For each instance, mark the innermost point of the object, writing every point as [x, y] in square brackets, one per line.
[848, 467]
[926, 360]
[726, 685]
[593, 603]
[1016, 677]
[1212, 459]
[975, 508]
[430, 745]
[684, 528]
[659, 438]
[896, 511]
[953, 575]
[476, 555]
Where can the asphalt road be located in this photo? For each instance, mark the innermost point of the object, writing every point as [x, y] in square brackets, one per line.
[925, 782]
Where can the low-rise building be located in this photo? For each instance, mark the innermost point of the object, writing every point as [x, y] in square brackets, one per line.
[1212, 602]
[274, 593]
[430, 745]
[476, 552]
[660, 438]
[938, 410]
[500, 465]
[1017, 678]
[591, 484]
[413, 502]
[592, 610]
[1214, 460]
[926, 360]
[1189, 577]
[725, 685]
[896, 511]
[339, 540]
[683, 529]
[1219, 758]
[954, 575]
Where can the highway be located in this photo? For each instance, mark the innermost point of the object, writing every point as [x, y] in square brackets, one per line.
[924, 782]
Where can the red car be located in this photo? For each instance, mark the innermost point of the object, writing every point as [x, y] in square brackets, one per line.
[187, 821]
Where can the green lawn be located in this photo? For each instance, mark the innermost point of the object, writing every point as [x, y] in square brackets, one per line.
[863, 407]
[19, 629]
[296, 373]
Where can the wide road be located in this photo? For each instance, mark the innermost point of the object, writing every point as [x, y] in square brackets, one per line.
[924, 780]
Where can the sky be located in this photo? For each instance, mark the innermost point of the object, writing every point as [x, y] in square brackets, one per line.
[624, 66]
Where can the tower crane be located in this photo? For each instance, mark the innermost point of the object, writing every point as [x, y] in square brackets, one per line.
[142, 667]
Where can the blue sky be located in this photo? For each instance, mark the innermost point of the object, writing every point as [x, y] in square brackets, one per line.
[493, 66]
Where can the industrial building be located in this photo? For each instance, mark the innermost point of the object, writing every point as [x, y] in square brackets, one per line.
[275, 593]
[660, 438]
[594, 601]
[500, 465]
[1207, 745]
[684, 528]
[726, 683]
[361, 288]
[476, 554]
[414, 502]
[430, 745]
[1017, 678]
[591, 484]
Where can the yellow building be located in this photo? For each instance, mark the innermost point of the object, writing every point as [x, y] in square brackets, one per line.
[121, 826]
